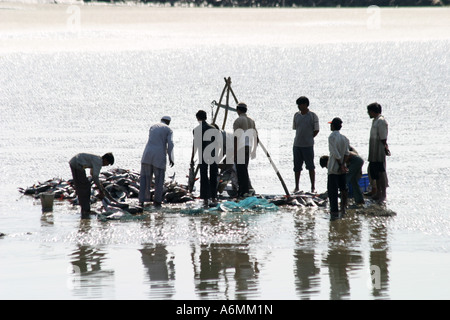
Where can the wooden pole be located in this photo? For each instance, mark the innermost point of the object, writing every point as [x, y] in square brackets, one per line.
[220, 101]
[234, 96]
[228, 84]
[286, 191]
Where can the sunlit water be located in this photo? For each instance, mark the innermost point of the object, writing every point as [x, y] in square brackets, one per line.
[59, 102]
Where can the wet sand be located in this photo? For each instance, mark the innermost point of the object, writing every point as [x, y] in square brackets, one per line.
[61, 27]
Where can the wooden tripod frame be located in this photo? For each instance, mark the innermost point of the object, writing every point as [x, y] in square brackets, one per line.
[227, 88]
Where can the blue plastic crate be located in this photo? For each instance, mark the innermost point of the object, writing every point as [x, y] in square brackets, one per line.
[363, 185]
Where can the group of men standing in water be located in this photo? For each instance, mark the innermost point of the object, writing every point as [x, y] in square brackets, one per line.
[343, 162]
[214, 147]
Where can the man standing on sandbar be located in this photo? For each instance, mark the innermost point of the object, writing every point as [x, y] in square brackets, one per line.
[82, 185]
[153, 161]
[306, 126]
[378, 150]
[245, 144]
[206, 144]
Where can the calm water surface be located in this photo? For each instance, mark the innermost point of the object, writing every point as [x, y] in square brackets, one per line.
[55, 104]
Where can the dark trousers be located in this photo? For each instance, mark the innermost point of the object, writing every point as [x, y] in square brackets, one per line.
[208, 185]
[242, 173]
[335, 183]
[353, 175]
[83, 189]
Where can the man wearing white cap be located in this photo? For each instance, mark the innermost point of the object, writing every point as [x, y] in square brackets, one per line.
[153, 161]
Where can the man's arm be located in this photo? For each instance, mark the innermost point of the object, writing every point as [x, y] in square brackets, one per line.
[170, 146]
[386, 147]
[316, 125]
[102, 191]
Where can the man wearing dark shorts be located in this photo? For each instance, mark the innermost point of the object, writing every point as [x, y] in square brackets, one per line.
[306, 126]
[378, 150]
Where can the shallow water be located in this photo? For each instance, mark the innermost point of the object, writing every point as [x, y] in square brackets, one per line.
[61, 101]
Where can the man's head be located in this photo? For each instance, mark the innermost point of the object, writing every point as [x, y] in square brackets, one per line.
[201, 115]
[374, 109]
[108, 159]
[303, 104]
[241, 108]
[336, 124]
[166, 120]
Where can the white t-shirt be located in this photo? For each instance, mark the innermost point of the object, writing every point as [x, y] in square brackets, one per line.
[338, 145]
[304, 126]
[378, 132]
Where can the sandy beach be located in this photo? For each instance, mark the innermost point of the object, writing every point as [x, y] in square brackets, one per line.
[72, 27]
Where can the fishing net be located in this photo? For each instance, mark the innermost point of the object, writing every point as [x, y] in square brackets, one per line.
[247, 204]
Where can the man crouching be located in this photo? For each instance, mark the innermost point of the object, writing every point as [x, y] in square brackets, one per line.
[82, 185]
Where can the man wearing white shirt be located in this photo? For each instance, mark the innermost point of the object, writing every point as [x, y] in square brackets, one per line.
[245, 143]
[378, 150]
[153, 161]
[338, 146]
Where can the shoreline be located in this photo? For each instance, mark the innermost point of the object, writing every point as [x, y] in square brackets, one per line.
[288, 4]
[86, 27]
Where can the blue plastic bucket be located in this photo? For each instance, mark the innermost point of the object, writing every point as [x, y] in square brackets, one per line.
[363, 185]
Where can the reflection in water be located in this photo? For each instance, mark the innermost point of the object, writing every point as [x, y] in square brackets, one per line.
[160, 268]
[224, 270]
[343, 239]
[306, 271]
[87, 277]
[378, 258]
[47, 219]
[225, 258]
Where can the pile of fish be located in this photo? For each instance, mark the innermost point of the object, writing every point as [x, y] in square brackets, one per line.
[121, 184]
[300, 199]
[61, 189]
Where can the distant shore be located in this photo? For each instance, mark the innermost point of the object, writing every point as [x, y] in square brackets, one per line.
[253, 3]
[93, 27]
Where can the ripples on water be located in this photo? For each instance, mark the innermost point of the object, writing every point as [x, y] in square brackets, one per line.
[55, 105]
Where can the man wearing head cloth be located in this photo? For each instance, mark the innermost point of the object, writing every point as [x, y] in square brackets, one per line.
[153, 162]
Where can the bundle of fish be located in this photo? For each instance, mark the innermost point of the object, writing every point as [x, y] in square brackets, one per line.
[61, 189]
[121, 184]
[302, 199]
